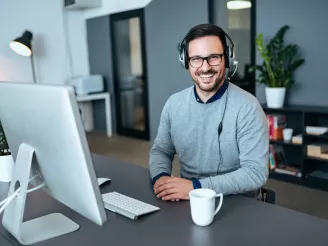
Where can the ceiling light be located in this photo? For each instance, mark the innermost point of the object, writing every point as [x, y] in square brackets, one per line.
[239, 4]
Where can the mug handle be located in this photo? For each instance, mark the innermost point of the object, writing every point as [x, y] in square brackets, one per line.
[220, 203]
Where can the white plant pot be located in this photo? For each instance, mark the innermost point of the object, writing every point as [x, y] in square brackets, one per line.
[275, 97]
[6, 168]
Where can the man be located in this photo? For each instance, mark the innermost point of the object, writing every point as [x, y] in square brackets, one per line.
[218, 130]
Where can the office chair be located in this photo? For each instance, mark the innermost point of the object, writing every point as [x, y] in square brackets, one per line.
[268, 196]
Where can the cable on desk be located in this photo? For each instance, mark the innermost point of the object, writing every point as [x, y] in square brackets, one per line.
[7, 201]
[31, 179]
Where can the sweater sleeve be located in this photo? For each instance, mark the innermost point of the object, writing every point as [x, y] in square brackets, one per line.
[163, 151]
[253, 144]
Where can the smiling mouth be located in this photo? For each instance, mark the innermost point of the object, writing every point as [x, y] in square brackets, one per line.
[206, 76]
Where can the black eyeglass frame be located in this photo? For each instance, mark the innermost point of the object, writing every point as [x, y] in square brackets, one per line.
[207, 60]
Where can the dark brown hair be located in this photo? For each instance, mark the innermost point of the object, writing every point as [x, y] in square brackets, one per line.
[204, 30]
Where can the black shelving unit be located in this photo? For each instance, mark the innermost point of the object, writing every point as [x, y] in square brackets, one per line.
[314, 170]
[282, 142]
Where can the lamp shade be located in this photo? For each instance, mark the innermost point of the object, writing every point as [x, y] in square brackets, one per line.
[22, 45]
[239, 4]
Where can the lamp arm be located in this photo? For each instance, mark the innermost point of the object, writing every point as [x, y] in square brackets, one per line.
[33, 68]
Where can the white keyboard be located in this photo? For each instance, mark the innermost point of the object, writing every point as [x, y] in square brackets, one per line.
[126, 206]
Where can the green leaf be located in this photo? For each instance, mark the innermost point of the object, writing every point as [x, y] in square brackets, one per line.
[258, 67]
[279, 60]
[292, 67]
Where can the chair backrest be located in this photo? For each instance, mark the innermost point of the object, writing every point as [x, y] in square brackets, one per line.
[268, 196]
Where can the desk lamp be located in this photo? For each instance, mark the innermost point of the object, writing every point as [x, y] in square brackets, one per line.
[23, 46]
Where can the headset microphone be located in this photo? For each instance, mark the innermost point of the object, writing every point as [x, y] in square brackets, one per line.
[220, 128]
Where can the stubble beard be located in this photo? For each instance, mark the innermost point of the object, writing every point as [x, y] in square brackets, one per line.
[218, 81]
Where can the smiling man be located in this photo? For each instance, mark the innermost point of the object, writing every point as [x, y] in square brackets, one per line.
[218, 130]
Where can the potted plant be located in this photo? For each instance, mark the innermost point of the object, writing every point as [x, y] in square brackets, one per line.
[279, 63]
[6, 160]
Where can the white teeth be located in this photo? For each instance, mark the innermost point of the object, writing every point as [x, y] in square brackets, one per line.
[206, 75]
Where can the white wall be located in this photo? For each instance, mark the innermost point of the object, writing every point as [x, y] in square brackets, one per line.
[114, 6]
[45, 20]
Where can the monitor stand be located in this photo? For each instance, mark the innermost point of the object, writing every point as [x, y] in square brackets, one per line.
[35, 230]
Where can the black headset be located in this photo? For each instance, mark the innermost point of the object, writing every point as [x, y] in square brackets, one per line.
[220, 127]
[229, 56]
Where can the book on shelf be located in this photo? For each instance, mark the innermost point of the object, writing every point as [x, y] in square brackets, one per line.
[297, 139]
[276, 124]
[277, 162]
[316, 130]
[276, 157]
[317, 148]
[289, 171]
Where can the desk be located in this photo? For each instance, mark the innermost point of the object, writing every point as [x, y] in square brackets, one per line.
[106, 98]
[4, 242]
[241, 221]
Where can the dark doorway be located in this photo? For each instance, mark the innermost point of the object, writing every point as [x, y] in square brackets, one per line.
[130, 73]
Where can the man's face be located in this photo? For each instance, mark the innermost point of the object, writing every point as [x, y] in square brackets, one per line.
[207, 77]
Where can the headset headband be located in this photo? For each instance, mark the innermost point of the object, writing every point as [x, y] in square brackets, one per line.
[182, 44]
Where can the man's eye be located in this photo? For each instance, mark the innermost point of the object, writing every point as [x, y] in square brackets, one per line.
[196, 59]
[214, 57]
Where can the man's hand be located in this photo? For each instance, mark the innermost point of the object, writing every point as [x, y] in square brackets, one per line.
[173, 188]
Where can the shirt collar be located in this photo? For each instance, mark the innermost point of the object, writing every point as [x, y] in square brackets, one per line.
[217, 94]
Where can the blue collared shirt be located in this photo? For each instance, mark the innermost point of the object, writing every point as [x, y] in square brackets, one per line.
[217, 94]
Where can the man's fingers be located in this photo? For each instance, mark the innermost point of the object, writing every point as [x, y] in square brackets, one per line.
[175, 197]
[164, 187]
[176, 200]
[161, 181]
[165, 182]
[170, 180]
[166, 192]
[158, 183]
[172, 196]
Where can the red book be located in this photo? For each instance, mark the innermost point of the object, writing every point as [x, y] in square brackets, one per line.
[270, 125]
[279, 123]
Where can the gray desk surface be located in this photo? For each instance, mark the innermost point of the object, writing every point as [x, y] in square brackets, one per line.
[4, 242]
[241, 221]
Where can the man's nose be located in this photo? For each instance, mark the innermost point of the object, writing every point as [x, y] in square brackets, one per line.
[205, 67]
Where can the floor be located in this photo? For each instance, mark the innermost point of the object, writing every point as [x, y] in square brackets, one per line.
[310, 201]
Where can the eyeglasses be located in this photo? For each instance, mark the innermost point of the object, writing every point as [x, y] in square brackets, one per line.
[212, 60]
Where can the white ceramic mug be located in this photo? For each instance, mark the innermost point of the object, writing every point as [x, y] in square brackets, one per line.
[202, 205]
[287, 134]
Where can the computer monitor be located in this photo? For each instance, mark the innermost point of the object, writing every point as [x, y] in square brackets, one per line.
[45, 133]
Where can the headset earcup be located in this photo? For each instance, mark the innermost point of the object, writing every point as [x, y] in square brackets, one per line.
[227, 57]
[181, 59]
[182, 56]
[186, 64]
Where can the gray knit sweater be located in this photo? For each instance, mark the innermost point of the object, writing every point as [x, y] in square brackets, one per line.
[190, 130]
